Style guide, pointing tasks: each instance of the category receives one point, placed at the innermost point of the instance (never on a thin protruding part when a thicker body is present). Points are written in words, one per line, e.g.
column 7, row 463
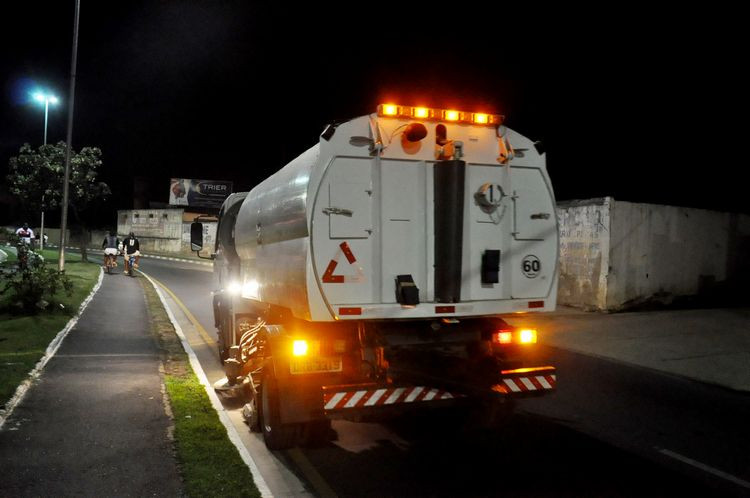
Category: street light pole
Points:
column 46, row 113
column 47, row 99
column 41, row 230
column 71, row 101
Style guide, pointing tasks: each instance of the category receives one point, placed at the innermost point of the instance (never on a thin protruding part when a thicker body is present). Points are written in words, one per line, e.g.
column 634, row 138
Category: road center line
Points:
column 705, row 468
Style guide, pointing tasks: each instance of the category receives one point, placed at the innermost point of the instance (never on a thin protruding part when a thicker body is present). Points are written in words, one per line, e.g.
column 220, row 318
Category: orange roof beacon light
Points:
column 389, row 109
column 452, row 115
column 421, row 112
column 480, row 118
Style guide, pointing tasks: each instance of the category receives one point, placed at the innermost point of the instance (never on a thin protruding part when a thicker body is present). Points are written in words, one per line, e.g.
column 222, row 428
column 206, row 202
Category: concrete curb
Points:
column 234, row 437
column 52, row 348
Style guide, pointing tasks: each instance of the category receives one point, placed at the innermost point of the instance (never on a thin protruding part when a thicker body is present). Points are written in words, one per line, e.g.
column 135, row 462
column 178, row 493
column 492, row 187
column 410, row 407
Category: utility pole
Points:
column 71, row 100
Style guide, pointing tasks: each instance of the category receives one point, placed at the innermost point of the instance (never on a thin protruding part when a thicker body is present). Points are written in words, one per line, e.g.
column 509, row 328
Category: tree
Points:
column 38, row 174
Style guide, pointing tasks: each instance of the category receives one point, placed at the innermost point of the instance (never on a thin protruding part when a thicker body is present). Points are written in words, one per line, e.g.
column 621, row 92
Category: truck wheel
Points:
column 276, row 435
column 225, row 326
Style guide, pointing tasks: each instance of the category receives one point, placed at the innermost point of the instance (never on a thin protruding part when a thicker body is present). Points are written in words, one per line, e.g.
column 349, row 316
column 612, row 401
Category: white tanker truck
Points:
column 372, row 273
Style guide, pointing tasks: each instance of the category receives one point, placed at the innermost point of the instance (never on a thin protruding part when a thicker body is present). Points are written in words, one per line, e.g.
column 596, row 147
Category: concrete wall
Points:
column 584, row 252
column 158, row 230
column 661, row 252
column 616, row 254
column 163, row 230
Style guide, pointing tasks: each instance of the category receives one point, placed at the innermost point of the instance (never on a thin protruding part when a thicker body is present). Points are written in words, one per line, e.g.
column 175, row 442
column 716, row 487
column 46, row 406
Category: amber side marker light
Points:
column 299, row 348
column 527, row 336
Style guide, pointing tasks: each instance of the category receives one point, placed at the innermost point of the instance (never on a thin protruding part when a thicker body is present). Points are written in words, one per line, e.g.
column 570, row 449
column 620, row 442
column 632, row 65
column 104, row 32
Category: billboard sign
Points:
column 198, row 193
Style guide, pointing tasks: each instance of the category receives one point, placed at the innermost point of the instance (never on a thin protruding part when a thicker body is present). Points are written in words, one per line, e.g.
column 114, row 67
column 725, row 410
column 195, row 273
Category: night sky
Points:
column 631, row 103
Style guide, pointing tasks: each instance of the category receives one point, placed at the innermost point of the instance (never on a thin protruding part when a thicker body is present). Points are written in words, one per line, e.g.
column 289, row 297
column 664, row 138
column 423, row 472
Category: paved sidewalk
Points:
column 95, row 424
column 708, row 345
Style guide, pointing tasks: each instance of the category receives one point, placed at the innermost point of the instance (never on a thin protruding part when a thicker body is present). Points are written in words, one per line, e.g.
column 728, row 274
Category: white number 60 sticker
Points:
column 531, row 266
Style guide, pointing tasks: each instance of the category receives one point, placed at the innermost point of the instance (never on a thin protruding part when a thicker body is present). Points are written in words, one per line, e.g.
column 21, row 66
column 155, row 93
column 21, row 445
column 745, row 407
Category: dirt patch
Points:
column 174, row 359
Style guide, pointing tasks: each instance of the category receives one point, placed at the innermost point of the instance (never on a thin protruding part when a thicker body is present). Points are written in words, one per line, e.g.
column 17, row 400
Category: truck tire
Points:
column 276, row 435
column 224, row 328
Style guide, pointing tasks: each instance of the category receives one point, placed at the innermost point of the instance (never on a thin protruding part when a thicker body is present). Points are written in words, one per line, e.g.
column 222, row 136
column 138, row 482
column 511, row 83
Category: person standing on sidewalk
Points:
column 26, row 234
column 131, row 246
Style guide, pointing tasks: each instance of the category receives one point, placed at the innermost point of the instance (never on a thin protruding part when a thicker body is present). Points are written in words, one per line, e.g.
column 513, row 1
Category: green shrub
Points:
column 30, row 284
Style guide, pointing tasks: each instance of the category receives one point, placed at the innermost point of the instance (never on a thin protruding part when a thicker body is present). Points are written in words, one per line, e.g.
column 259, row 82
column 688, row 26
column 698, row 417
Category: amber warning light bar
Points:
column 450, row 115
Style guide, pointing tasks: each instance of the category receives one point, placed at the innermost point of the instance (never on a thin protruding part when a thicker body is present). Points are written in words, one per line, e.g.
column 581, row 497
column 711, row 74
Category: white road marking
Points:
column 705, row 468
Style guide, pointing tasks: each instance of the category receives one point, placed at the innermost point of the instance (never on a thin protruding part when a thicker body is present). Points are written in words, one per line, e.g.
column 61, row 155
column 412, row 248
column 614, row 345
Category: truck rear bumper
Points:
column 521, row 382
column 527, row 381
column 338, row 398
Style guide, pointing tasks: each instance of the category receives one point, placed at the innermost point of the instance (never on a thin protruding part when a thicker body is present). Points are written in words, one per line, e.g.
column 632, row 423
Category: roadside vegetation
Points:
column 25, row 334
column 209, row 463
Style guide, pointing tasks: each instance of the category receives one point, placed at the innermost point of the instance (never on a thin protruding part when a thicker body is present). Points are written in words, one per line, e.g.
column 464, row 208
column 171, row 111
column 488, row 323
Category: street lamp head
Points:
column 43, row 98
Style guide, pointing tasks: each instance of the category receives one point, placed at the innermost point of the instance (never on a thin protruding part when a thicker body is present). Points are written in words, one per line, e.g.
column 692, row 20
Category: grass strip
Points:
column 24, row 339
column 209, row 463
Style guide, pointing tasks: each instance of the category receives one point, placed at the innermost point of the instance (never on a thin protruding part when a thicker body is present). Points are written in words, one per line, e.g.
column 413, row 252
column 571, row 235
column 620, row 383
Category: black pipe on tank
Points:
column 449, row 228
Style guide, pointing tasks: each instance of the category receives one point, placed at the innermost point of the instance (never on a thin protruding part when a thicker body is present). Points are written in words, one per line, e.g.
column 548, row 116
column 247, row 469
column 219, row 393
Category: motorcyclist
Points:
column 131, row 246
column 110, row 244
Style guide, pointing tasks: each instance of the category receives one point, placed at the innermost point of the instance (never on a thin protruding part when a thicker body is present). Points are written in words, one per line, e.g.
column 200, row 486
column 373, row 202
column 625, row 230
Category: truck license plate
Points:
column 314, row 365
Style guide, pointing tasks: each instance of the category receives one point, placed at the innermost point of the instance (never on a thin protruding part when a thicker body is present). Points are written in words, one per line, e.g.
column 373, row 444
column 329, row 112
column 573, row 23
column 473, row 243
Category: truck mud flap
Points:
column 343, row 398
column 523, row 382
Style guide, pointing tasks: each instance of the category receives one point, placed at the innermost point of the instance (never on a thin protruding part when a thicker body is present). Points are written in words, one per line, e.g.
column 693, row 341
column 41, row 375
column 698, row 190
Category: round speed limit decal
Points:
column 531, row 266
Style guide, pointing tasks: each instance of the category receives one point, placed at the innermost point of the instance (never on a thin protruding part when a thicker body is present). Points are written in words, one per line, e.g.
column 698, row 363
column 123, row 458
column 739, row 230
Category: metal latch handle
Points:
column 337, row 210
column 540, row 216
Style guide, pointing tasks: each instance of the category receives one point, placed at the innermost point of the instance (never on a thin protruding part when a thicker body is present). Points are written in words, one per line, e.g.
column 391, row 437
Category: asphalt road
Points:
column 610, row 430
